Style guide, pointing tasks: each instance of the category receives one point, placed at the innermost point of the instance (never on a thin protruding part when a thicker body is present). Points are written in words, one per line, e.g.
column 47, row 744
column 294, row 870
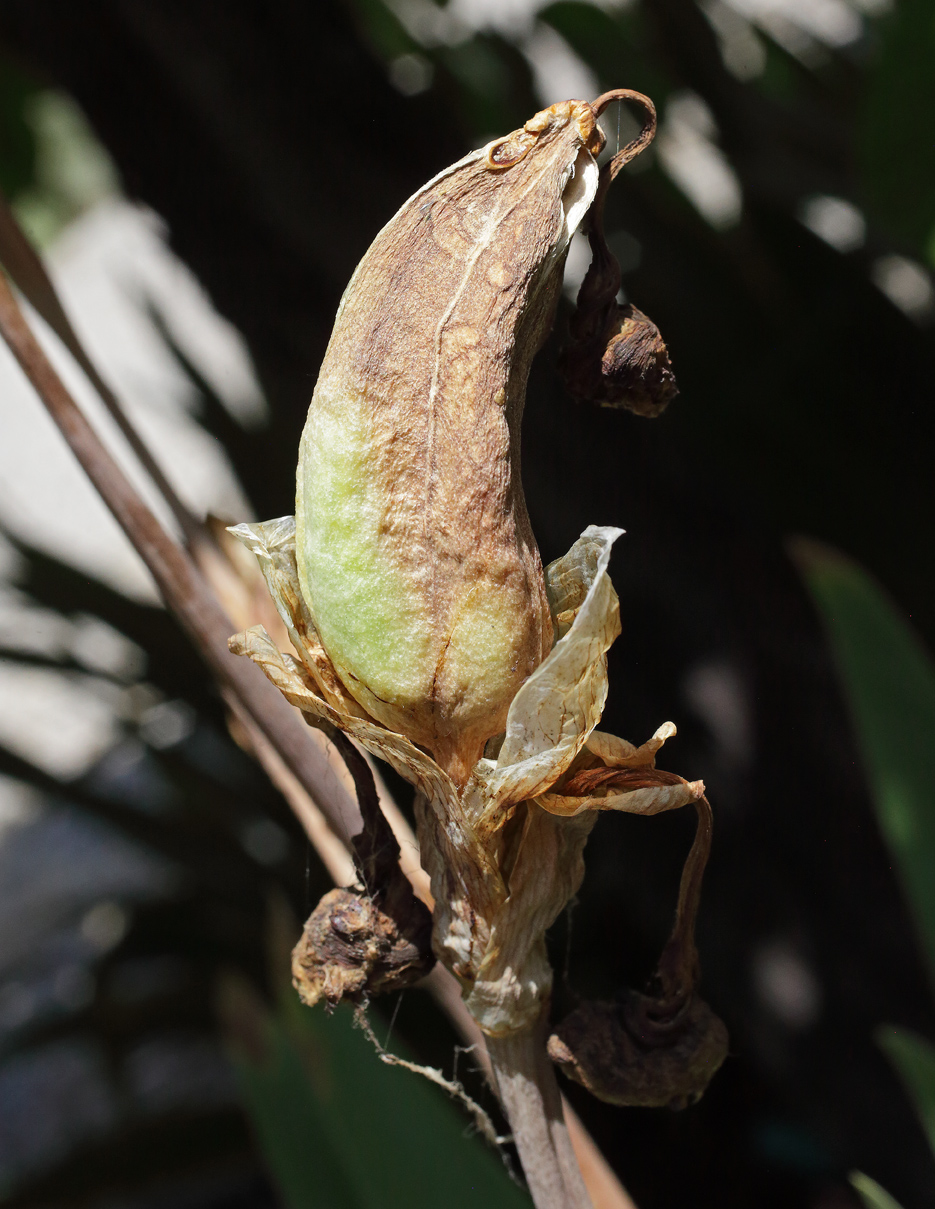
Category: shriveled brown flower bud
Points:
column 633, row 369
column 350, row 947
column 616, row 356
column 661, row 1048
column 624, row 1055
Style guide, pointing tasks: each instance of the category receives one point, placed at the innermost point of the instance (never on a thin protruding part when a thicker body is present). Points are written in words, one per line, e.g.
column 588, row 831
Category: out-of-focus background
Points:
column 202, row 179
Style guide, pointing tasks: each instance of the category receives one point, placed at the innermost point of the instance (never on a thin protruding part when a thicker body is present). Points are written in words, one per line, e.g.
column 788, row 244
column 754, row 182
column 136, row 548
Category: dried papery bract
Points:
column 423, row 624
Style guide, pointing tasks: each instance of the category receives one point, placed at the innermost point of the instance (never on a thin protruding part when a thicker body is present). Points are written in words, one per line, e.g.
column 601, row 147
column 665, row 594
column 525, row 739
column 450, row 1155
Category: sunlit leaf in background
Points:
column 872, row 1195
column 898, row 126
column 889, row 683
column 914, row 1058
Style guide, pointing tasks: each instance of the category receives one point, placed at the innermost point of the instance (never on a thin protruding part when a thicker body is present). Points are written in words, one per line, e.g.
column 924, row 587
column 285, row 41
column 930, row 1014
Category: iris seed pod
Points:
column 414, row 548
column 422, row 622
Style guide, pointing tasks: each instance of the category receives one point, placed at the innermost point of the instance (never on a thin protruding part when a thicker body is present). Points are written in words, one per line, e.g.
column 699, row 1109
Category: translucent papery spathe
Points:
column 496, row 894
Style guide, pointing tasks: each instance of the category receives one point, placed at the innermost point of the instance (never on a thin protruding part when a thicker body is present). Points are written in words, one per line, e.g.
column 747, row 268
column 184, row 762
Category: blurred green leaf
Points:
column 914, row 1059
column 493, row 83
column 873, row 1196
column 339, row 1128
column 291, row 1120
column 898, row 126
column 889, row 683
column 17, row 138
column 382, row 29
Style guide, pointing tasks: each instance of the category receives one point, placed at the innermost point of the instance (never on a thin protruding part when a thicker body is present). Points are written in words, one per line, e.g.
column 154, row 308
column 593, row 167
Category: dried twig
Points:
column 526, row 1082
column 452, row 1087
column 20, row 260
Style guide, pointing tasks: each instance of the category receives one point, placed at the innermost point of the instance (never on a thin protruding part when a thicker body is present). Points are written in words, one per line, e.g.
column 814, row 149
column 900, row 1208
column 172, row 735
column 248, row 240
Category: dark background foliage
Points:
column 271, row 139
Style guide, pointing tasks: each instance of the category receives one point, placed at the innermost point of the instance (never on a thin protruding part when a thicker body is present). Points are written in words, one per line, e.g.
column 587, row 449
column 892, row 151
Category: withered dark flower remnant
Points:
column 367, row 939
column 423, row 624
column 625, row 365
column 659, row 1048
column 616, row 356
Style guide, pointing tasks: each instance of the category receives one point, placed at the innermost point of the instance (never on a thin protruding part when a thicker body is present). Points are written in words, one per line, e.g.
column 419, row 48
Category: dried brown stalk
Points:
column 180, row 582
column 20, row 260
column 530, row 1096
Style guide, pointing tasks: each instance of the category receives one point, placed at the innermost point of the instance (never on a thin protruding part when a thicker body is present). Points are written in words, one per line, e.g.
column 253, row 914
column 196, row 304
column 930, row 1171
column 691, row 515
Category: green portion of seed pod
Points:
column 366, row 609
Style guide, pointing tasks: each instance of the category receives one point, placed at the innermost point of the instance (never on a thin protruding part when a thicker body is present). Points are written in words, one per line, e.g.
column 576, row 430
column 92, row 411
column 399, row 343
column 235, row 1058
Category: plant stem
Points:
column 600, row 1179
column 529, row 1092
